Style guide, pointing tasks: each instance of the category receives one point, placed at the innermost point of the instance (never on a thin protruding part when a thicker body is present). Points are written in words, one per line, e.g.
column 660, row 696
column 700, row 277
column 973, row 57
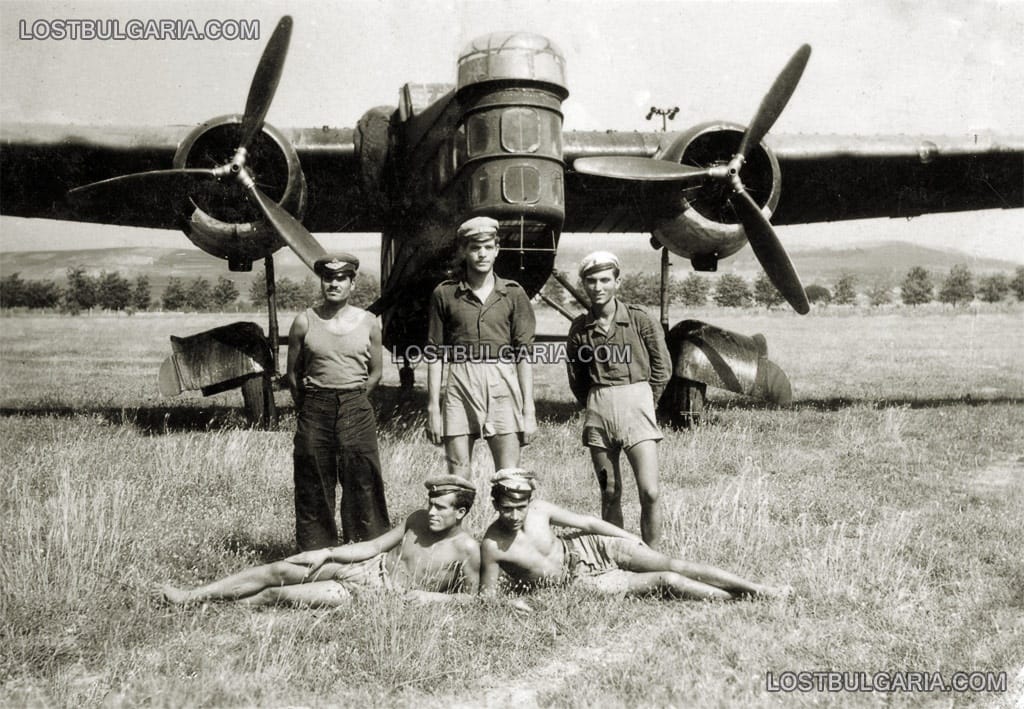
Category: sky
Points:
column 876, row 68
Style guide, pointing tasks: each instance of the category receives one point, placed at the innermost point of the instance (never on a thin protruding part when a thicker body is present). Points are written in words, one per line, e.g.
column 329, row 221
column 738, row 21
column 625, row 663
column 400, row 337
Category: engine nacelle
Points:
column 373, row 146
column 217, row 217
column 697, row 222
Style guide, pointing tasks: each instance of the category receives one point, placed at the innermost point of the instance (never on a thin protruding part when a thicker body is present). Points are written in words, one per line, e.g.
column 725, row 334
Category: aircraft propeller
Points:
column 183, row 180
column 760, row 235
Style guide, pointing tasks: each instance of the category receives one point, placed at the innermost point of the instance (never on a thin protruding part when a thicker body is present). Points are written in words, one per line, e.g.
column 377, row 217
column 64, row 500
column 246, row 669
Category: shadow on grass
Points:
column 155, row 420
column 840, row 403
column 399, row 411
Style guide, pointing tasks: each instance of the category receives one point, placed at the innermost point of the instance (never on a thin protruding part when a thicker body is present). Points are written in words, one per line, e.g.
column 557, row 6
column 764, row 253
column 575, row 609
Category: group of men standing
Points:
column 476, row 318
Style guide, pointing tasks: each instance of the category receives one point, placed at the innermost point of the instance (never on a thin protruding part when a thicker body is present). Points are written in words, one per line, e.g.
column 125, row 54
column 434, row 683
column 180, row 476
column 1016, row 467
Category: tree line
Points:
column 112, row 291
column 918, row 287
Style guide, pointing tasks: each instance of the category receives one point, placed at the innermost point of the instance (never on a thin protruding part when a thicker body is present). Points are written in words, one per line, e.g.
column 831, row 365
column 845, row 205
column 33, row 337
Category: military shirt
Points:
column 633, row 351
column 458, row 318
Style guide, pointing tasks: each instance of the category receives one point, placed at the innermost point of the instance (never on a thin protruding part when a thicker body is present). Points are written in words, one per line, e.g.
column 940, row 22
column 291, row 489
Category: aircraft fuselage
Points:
column 492, row 146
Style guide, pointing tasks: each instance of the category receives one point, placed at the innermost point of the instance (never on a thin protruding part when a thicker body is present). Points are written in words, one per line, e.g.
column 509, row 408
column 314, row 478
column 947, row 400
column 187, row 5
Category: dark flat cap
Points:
column 443, row 484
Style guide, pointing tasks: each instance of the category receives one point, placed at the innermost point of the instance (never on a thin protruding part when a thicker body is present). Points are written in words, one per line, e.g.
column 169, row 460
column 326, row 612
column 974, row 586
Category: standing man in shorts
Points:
column 480, row 327
column 618, row 368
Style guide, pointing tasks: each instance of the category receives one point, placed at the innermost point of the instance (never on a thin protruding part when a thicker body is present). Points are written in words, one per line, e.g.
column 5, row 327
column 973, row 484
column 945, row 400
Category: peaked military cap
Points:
column 336, row 265
column 598, row 261
column 514, row 483
column 443, row 484
column 477, row 229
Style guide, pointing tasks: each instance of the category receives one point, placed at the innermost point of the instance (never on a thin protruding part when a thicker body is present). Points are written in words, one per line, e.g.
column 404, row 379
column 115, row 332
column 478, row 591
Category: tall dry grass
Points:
column 891, row 501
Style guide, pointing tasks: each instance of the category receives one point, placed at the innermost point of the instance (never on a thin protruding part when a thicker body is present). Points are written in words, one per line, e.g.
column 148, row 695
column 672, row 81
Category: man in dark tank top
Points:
column 334, row 362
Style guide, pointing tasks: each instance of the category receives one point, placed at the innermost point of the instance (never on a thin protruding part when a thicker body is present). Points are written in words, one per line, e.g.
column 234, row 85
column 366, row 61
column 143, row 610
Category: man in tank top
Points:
column 334, row 362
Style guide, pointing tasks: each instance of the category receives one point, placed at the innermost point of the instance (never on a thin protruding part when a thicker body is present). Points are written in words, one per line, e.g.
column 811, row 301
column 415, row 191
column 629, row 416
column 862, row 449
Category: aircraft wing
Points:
column 824, row 178
column 40, row 163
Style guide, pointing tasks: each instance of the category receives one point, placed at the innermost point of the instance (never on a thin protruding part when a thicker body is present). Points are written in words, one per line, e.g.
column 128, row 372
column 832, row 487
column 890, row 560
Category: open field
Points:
column 891, row 496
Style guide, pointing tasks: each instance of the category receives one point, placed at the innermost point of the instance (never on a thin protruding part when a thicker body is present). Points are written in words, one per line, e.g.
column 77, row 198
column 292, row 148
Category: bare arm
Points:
column 587, row 523
column 435, row 339
column 524, row 370
column 350, row 553
column 376, row 357
column 490, row 572
column 435, row 424
column 296, row 335
column 471, row 568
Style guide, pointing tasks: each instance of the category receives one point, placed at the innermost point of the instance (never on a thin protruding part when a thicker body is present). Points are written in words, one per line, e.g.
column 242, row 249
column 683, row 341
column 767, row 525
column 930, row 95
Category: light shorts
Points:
column 592, row 560
column 482, row 399
column 620, row 416
column 371, row 574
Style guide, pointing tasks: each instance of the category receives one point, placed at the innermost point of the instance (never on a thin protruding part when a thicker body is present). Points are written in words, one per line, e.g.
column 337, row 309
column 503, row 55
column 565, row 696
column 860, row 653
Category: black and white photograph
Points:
column 539, row 353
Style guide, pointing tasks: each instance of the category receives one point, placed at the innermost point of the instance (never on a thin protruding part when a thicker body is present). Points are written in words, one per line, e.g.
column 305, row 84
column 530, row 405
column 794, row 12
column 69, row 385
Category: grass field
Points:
column 890, row 495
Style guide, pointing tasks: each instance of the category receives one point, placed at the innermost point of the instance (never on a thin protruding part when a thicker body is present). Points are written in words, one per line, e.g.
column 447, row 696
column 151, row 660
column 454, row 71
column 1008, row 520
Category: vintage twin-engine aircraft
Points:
column 491, row 145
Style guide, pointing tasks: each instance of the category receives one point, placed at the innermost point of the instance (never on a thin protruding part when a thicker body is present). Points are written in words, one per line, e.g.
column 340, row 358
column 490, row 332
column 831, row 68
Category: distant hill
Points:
column 161, row 264
column 868, row 263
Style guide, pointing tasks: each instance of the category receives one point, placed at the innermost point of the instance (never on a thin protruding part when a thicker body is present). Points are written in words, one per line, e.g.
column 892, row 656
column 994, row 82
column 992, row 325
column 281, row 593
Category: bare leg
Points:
column 320, row 594
column 643, row 457
column 458, row 450
column 642, row 559
column 505, row 450
column 609, row 478
column 249, row 582
column 642, row 584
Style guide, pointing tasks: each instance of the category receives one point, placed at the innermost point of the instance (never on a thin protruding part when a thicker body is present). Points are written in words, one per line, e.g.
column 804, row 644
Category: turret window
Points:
column 520, row 130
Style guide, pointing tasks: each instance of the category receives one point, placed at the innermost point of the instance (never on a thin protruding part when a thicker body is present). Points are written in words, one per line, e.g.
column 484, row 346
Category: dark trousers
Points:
column 336, row 442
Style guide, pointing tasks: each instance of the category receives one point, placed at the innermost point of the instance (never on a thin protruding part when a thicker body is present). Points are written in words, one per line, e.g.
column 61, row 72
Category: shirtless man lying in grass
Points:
column 602, row 557
column 429, row 557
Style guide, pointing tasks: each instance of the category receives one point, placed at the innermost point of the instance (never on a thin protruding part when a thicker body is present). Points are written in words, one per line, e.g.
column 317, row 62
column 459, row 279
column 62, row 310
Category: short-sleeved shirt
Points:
column 458, row 318
column 632, row 350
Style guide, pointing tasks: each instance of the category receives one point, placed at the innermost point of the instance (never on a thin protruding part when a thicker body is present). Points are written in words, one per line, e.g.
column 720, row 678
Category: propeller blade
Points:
column 264, row 81
column 307, row 248
column 775, row 100
column 175, row 184
column 769, row 252
column 643, row 169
